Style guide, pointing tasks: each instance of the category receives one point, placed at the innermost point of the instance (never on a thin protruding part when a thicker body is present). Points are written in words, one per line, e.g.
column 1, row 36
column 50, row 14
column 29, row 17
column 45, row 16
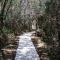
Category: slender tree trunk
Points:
column 2, row 15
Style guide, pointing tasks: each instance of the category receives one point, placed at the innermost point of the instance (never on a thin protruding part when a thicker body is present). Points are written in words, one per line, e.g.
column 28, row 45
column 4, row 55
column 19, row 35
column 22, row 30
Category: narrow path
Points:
column 26, row 49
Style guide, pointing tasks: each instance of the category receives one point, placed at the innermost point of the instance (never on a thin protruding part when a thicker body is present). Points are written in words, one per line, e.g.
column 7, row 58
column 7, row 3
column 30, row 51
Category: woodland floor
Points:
column 40, row 46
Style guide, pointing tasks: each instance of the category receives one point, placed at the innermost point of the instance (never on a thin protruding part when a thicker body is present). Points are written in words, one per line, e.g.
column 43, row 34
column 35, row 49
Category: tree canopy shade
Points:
column 3, row 6
column 17, row 16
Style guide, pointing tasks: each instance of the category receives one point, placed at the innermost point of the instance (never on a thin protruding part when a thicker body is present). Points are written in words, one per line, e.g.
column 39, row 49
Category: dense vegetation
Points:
column 47, row 15
column 50, row 23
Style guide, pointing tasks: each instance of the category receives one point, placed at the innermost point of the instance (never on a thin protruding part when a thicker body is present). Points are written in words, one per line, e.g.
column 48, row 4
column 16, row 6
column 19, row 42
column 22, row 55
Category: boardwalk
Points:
column 26, row 49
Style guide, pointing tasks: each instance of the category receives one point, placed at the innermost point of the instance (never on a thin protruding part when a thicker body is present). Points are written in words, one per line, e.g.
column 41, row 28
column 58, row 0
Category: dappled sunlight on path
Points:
column 26, row 49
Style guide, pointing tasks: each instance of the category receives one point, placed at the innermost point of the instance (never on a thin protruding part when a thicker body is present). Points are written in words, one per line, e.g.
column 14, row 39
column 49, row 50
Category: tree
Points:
column 52, row 27
column 3, row 36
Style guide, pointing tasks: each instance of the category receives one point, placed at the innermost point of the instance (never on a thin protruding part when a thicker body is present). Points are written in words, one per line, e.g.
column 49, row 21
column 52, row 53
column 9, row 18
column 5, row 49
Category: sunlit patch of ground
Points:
column 41, row 47
column 26, row 49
